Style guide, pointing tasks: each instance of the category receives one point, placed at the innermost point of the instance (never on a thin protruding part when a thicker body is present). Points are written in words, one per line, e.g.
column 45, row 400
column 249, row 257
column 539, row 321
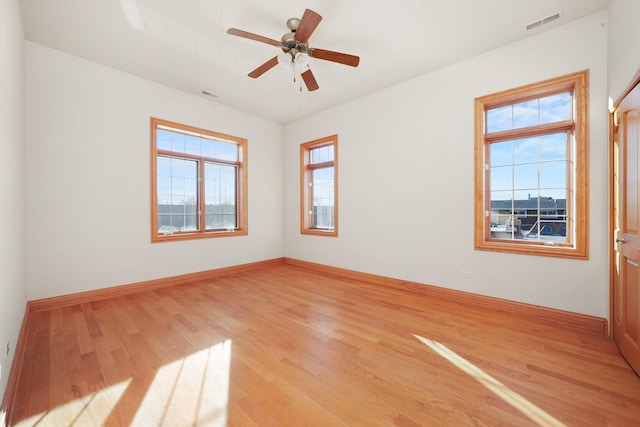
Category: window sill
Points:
column 320, row 232
column 195, row 236
column 540, row 249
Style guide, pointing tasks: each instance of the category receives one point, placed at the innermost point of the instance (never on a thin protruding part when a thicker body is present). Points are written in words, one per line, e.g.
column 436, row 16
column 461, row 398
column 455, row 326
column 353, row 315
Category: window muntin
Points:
column 319, row 187
column 198, row 183
column 531, row 169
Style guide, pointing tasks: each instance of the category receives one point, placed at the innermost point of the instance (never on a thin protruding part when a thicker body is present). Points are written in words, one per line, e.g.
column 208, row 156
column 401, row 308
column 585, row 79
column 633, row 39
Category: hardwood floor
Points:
column 287, row 346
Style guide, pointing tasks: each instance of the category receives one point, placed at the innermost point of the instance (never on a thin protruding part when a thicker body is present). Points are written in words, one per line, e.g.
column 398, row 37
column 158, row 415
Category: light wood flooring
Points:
column 285, row 346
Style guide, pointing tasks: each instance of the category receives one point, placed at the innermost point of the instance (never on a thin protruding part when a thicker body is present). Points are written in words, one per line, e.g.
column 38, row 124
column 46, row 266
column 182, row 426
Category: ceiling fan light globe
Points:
column 284, row 60
column 292, row 24
column 302, row 59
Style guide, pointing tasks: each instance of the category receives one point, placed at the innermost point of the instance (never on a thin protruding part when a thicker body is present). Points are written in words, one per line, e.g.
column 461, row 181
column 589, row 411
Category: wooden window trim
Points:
column 305, row 176
column 579, row 245
column 241, row 191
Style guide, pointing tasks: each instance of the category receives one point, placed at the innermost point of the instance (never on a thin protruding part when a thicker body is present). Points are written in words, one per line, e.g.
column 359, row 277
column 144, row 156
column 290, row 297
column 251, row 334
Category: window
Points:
column 198, row 183
column 319, row 187
column 531, row 169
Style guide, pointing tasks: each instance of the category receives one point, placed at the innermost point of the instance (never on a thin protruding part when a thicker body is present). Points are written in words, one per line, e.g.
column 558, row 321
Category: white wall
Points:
column 623, row 45
column 406, row 177
column 13, row 286
column 88, row 185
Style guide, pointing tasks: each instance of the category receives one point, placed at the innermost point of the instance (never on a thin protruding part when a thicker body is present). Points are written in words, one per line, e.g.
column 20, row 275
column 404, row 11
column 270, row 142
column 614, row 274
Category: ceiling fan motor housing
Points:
column 290, row 43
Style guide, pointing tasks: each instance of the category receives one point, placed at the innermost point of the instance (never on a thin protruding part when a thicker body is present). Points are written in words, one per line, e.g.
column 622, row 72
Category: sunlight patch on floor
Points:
column 190, row 391
column 533, row 412
column 90, row 410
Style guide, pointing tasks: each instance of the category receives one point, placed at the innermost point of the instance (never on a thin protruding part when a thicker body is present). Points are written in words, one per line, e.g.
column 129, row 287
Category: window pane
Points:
column 220, row 196
column 501, row 214
column 164, row 166
column 177, row 204
column 178, row 167
column 208, row 148
column 191, row 206
column 525, row 177
column 501, row 153
column 525, row 150
column 190, row 222
column 191, row 188
column 164, row 185
column 553, row 175
column 220, row 220
column 525, row 114
column 164, row 204
column 191, row 169
column 322, row 154
column 177, row 142
column 164, row 224
column 208, row 170
column 528, row 197
column 499, row 119
column 226, row 151
column 555, row 108
column 177, row 222
column 548, row 109
column 550, row 216
column 502, row 202
column 192, row 145
column 528, row 216
column 178, row 186
column 177, row 195
column 553, row 147
column 502, row 178
column 524, row 195
column 163, row 139
column 198, row 145
column 559, row 194
column 323, row 198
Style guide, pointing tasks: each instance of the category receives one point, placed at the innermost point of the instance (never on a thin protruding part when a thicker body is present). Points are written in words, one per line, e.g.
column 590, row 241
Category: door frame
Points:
column 612, row 220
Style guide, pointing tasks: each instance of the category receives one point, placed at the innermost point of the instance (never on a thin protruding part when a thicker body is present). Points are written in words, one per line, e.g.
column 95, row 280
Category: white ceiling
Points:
column 183, row 43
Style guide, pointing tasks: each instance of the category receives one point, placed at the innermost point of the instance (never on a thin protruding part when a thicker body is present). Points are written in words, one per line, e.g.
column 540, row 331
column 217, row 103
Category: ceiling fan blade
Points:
column 307, row 26
column 310, row 81
column 251, row 36
column 264, row 68
column 340, row 58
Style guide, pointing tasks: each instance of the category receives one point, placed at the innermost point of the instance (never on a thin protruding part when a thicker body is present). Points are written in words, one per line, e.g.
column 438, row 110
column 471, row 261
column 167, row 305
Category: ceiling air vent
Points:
column 543, row 21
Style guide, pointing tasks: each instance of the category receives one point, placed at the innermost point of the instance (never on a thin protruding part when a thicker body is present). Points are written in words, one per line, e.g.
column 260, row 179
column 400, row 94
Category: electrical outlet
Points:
column 465, row 273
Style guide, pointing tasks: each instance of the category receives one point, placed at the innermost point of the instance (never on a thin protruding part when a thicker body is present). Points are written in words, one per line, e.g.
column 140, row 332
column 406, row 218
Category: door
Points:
column 626, row 285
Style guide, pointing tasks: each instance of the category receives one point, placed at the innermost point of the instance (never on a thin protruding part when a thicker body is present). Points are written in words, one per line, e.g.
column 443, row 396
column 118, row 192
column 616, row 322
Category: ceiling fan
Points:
column 296, row 49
